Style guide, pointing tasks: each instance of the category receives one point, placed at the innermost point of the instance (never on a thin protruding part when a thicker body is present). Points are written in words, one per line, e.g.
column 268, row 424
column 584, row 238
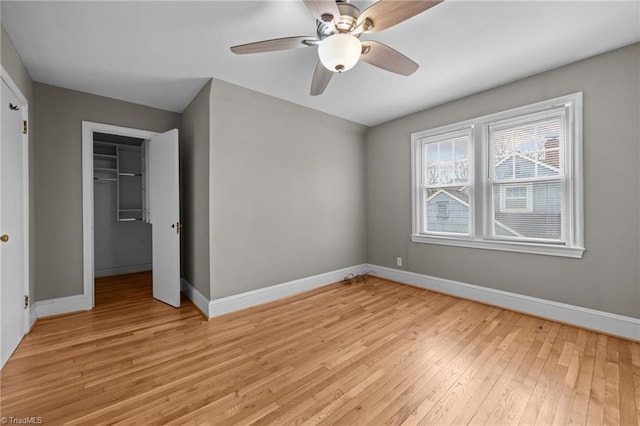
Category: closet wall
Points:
column 122, row 239
column 59, row 114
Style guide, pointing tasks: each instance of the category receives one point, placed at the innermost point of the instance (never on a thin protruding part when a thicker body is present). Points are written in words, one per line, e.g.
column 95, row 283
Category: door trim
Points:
column 88, row 128
column 24, row 106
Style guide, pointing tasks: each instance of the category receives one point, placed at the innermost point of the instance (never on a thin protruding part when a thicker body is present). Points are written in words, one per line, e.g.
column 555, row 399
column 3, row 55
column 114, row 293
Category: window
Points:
column 508, row 181
column 516, row 198
column 444, row 183
column 443, row 210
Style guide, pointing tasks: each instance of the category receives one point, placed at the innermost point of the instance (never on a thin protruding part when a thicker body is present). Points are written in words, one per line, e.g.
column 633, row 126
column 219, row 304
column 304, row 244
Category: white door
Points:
column 12, row 222
column 165, row 216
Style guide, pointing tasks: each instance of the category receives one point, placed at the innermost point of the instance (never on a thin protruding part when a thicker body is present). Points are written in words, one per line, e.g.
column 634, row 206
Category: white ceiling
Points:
column 161, row 53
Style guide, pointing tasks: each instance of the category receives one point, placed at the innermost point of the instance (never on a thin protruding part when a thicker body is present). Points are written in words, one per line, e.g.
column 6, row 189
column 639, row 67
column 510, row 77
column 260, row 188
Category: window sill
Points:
column 543, row 249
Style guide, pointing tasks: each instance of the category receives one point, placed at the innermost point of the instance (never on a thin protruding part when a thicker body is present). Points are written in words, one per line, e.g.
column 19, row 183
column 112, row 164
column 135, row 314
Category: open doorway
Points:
column 121, row 228
column 122, row 231
column 131, row 220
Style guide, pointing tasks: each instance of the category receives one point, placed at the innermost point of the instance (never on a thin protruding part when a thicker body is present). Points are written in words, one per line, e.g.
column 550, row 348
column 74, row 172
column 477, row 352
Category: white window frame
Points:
column 528, row 197
column 419, row 140
column 480, row 187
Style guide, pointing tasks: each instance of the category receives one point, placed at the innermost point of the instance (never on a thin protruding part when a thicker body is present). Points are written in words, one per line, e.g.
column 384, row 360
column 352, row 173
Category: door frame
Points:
column 88, row 128
column 24, row 107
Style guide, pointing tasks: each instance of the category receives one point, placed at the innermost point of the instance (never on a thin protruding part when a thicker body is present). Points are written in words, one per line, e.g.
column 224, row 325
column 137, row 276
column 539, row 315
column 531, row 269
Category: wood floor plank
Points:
column 628, row 407
column 595, row 409
column 369, row 353
column 582, row 387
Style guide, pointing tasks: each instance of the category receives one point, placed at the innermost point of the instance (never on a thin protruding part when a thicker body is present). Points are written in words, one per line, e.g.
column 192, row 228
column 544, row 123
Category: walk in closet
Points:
column 122, row 233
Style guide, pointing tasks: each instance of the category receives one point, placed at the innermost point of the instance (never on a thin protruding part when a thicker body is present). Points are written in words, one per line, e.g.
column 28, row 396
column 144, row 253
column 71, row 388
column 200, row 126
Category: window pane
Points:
column 447, row 210
column 446, row 162
column 432, row 152
column 460, row 150
column 443, row 209
column 505, row 169
column 533, row 211
column 525, row 168
column 528, row 150
column 446, row 151
column 516, row 191
column 461, row 172
column 445, row 203
column 516, row 203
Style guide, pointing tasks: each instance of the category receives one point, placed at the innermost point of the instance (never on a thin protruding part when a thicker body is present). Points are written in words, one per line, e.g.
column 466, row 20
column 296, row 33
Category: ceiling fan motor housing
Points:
column 345, row 23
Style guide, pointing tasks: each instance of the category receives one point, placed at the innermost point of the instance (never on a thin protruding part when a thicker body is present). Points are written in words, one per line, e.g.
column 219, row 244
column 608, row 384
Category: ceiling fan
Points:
column 339, row 27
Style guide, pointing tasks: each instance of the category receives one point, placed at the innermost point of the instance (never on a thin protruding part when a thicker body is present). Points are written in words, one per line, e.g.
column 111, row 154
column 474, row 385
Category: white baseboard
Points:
column 618, row 325
column 119, row 270
column 614, row 324
column 198, row 299
column 248, row 299
column 60, row 305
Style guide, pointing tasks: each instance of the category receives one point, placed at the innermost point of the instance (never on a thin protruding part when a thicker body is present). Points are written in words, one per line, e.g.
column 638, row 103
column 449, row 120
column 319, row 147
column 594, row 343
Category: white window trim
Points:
column 479, row 169
column 528, row 197
column 437, row 135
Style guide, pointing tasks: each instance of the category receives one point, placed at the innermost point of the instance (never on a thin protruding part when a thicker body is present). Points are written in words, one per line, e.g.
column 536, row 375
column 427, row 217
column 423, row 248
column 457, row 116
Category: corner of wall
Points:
column 195, row 151
column 212, row 86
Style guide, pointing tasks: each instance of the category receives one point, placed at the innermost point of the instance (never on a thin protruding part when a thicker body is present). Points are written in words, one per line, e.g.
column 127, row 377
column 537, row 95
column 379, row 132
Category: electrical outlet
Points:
column 398, row 261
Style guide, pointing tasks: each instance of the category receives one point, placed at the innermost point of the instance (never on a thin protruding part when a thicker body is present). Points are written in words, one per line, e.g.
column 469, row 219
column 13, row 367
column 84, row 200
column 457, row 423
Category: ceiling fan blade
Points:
column 383, row 56
column 387, row 13
column 273, row 45
column 324, row 10
column 321, row 78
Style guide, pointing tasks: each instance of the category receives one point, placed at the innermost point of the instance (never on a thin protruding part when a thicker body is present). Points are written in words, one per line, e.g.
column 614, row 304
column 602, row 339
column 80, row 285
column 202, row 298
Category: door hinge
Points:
column 26, row 301
column 177, row 226
column 24, row 127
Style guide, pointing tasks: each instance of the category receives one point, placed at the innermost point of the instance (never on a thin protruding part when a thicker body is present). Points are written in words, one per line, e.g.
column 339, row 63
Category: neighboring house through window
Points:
column 516, row 198
column 444, row 183
column 507, row 181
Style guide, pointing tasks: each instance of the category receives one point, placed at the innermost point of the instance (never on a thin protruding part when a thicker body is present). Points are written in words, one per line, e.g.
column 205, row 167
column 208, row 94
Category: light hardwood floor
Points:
column 367, row 353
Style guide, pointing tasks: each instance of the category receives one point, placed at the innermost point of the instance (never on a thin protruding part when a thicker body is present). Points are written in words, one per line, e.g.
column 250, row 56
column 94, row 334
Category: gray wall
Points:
column 607, row 278
column 194, row 178
column 13, row 65
column 287, row 191
column 58, row 177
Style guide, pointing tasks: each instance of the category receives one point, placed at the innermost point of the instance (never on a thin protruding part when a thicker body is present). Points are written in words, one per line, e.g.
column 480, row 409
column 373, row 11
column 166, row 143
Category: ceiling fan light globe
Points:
column 339, row 52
